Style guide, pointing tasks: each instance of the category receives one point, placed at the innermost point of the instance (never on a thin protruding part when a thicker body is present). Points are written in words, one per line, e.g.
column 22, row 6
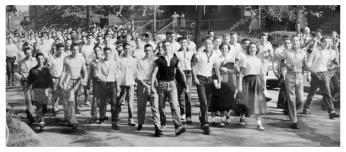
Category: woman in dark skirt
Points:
column 223, row 98
column 251, row 84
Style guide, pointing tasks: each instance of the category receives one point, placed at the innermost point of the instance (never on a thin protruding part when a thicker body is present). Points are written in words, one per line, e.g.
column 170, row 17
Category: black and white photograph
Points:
column 172, row 75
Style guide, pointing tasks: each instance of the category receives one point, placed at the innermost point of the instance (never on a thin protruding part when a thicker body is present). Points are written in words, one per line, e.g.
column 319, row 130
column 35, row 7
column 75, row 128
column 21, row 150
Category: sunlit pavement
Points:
column 315, row 130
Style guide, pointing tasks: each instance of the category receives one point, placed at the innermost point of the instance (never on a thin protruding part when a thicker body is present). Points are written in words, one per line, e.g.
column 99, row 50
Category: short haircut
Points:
column 74, row 45
column 293, row 36
column 39, row 54
column 233, row 33
column 106, row 48
column 222, row 44
column 148, row 45
column 210, row 31
column 169, row 33
column 59, row 45
column 126, row 44
column 204, row 39
column 146, row 35
column 97, row 46
column 285, row 37
column 26, row 48
column 244, row 40
column 263, row 34
column 165, row 41
column 182, row 38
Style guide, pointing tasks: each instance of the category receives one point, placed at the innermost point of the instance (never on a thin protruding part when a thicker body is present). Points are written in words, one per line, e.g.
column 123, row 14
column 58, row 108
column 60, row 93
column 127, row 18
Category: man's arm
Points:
column 217, row 73
column 194, row 62
column 84, row 74
column 63, row 74
column 180, row 69
column 153, row 78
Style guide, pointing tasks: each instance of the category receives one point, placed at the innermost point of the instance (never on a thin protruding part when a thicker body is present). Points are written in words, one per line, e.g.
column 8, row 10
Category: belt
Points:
column 187, row 71
column 56, row 77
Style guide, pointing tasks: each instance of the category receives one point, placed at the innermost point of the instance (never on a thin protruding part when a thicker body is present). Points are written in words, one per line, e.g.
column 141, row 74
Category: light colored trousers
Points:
column 57, row 96
column 69, row 100
column 168, row 90
column 295, row 91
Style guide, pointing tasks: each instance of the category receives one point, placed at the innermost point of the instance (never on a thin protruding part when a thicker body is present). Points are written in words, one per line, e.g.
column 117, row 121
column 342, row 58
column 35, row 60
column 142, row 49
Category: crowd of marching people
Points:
column 109, row 64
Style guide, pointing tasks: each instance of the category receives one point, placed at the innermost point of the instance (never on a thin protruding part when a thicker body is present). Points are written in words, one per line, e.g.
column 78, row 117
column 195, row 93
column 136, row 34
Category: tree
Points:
column 78, row 15
column 10, row 9
column 293, row 13
column 198, row 24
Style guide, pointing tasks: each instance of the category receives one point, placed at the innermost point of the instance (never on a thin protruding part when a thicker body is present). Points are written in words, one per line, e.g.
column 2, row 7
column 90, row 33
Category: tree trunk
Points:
column 198, row 25
column 87, row 17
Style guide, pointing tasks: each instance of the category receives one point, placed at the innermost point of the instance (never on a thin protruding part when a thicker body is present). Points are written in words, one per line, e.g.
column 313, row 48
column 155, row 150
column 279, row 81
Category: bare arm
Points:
column 180, row 69
column 193, row 69
column 153, row 78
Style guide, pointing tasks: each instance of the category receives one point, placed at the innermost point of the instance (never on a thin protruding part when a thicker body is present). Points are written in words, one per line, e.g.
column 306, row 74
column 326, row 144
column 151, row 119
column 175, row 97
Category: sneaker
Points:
column 78, row 111
column 294, row 126
column 101, row 120
column 74, row 126
column 188, row 121
column 163, row 127
column 242, row 122
column 306, row 112
column 183, row 117
column 222, row 124
column 158, row 133
column 140, row 127
column 115, row 126
column 206, row 129
column 131, row 122
column 180, row 130
column 55, row 113
column 228, row 122
column 285, row 112
column 334, row 115
column 260, row 127
column 87, row 103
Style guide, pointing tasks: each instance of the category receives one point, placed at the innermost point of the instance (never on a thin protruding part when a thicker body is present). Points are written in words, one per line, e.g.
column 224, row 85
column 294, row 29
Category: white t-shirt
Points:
column 204, row 64
column 252, row 65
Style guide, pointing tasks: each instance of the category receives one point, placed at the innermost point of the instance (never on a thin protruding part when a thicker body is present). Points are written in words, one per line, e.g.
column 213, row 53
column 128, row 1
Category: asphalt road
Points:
column 315, row 130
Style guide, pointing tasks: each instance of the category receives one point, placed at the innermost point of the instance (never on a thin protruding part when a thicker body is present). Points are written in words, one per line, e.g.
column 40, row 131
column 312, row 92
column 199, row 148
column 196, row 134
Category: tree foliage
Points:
column 11, row 9
column 76, row 15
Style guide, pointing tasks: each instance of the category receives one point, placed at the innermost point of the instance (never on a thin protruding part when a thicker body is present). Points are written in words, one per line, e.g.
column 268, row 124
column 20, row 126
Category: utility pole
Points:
column 198, row 25
column 155, row 7
column 36, row 18
column 87, row 17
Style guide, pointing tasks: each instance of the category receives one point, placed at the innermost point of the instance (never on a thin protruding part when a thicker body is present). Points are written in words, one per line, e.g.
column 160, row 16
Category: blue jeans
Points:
column 143, row 95
column 185, row 98
column 108, row 92
column 127, row 94
column 204, row 90
column 168, row 90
